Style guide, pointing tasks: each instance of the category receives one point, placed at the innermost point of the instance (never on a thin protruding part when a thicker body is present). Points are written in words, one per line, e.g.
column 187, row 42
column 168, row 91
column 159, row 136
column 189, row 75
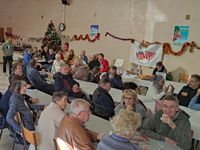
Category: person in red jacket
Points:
column 104, row 63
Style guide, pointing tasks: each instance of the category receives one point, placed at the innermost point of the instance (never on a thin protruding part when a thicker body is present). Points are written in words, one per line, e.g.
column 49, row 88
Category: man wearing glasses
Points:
column 171, row 124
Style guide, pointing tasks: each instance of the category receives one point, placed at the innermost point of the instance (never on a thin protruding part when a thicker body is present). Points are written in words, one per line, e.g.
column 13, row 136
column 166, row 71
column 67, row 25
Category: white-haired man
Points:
column 72, row 134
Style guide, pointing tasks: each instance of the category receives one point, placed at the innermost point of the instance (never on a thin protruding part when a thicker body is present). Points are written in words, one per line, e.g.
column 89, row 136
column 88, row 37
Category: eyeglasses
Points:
column 129, row 98
column 172, row 107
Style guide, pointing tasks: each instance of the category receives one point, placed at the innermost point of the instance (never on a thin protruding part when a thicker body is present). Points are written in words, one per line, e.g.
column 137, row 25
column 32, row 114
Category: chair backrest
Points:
column 31, row 137
column 56, row 144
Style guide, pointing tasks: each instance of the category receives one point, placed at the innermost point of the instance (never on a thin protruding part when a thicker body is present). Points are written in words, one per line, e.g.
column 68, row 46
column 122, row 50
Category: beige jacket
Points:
column 74, row 135
column 47, row 126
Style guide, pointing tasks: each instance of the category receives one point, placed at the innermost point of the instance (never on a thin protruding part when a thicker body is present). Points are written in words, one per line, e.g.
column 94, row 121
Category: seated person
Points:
column 26, row 56
column 71, row 57
column 50, row 119
column 115, row 79
column 64, row 81
column 4, row 103
column 130, row 99
column 189, row 91
column 36, row 80
column 83, row 57
column 133, row 86
column 124, row 124
column 159, row 68
column 102, row 97
column 94, row 75
column 56, row 64
column 50, row 57
column 171, row 125
column 79, row 70
column 195, row 101
column 72, row 133
column 104, row 64
column 93, row 62
column 157, row 90
column 17, row 103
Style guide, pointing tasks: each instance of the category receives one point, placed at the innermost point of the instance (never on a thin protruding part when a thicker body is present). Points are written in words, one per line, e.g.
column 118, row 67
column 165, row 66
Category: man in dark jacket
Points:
column 171, row 125
column 189, row 91
column 36, row 80
column 115, row 79
column 64, row 81
column 103, row 99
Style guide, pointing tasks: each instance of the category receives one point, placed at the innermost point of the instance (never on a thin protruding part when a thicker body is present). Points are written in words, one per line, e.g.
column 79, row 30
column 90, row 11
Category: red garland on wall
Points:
column 87, row 37
column 166, row 46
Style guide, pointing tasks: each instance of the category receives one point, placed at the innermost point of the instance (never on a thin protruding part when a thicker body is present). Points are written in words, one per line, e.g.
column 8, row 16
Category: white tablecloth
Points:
column 89, row 88
column 130, row 78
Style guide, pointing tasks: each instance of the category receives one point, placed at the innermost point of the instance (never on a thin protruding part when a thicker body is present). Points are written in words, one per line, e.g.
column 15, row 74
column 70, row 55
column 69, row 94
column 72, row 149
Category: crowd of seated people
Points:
column 169, row 124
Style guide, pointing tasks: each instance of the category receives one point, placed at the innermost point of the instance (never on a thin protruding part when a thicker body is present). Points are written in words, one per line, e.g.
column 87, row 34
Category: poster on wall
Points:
column 180, row 35
column 94, row 29
column 146, row 56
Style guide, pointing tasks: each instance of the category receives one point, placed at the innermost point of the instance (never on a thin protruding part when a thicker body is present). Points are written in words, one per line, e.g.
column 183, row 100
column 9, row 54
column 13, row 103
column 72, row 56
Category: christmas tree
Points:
column 51, row 37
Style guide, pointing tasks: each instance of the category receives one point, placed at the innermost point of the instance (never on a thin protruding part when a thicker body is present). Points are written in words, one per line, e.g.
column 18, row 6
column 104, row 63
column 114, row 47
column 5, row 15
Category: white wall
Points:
column 151, row 20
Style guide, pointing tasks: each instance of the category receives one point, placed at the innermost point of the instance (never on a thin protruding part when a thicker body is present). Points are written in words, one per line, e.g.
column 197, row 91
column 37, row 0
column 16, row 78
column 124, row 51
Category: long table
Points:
column 131, row 78
column 100, row 125
column 89, row 88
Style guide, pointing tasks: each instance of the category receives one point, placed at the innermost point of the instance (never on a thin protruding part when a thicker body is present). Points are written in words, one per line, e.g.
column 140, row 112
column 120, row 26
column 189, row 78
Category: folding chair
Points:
column 31, row 137
column 3, row 124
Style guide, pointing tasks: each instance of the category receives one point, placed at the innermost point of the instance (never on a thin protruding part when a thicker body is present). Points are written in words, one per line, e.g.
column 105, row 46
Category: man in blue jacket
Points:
column 103, row 99
column 115, row 79
column 36, row 80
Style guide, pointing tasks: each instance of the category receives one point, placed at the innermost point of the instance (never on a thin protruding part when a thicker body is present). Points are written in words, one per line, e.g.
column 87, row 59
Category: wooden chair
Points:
column 183, row 77
column 31, row 137
column 56, row 144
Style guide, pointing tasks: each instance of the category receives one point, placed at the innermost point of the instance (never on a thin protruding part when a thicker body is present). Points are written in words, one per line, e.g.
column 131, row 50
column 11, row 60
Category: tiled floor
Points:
column 6, row 141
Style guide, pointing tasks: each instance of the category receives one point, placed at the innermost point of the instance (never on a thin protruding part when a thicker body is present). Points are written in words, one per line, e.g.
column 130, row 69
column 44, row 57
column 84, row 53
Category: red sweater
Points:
column 104, row 66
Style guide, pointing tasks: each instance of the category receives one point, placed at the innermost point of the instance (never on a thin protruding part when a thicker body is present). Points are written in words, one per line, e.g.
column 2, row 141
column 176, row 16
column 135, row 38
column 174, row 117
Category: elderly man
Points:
column 50, row 120
column 64, row 81
column 83, row 57
column 170, row 125
column 72, row 134
column 115, row 79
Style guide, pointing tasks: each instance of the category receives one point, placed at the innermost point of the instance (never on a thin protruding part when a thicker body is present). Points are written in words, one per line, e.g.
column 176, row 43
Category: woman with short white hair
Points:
column 56, row 64
column 124, row 124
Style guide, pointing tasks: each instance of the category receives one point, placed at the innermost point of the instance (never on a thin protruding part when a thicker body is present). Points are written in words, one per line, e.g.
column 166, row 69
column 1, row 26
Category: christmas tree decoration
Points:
column 51, row 37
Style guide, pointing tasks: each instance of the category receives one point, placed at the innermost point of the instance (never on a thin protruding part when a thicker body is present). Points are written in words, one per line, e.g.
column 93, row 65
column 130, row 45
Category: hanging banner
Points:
column 146, row 56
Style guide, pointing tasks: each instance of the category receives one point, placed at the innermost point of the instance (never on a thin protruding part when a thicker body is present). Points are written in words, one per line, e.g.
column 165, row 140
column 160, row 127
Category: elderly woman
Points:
column 79, row 70
column 157, row 90
column 125, row 124
column 130, row 99
column 56, row 64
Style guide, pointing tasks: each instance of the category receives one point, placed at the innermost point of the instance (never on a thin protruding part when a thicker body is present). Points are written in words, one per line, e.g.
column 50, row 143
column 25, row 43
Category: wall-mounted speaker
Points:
column 66, row 2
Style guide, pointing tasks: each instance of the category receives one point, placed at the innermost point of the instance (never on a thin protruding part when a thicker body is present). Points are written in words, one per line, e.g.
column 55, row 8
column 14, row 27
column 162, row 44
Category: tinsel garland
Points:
column 166, row 46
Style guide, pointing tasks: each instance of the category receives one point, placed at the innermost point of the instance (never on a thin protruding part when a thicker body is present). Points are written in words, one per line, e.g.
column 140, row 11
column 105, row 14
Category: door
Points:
column 1, row 34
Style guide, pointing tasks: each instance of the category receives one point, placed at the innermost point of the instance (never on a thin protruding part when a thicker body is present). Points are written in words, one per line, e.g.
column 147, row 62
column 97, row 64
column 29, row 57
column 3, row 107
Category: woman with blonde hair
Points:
column 130, row 98
column 124, row 124
column 71, row 57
